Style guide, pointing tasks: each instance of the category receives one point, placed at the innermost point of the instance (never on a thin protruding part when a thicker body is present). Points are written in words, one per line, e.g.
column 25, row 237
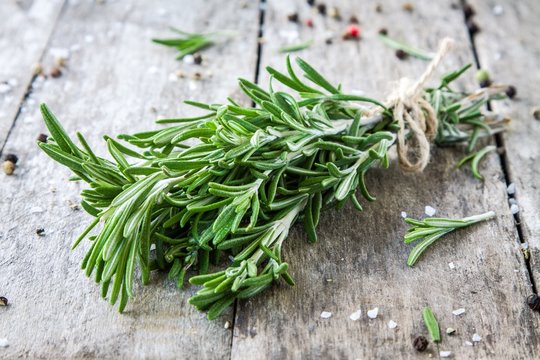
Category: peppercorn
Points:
column 309, row 23
column 11, row 157
column 329, row 41
column 383, row 31
column 485, row 83
column 197, row 76
column 3, row 301
column 534, row 302
column 473, row 27
column 401, row 55
column 536, row 113
column 407, row 7
column 42, row 138
column 293, row 17
column 378, row 8
column 40, row 232
column 197, row 59
column 511, row 91
column 55, row 72
column 420, row 343
column 311, row 2
column 334, row 13
column 37, row 69
column 9, row 167
column 353, row 20
column 352, row 32
column 482, row 75
column 468, row 11
column 321, row 8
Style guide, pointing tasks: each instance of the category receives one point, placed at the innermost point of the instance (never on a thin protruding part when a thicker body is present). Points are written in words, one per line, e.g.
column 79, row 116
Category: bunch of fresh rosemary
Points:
column 254, row 172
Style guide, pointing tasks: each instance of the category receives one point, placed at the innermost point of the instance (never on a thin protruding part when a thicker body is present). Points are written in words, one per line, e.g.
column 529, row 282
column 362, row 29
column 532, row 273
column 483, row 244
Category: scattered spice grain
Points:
column 408, row 7
column 536, row 113
column 401, row 55
column 3, row 301
column 321, row 8
column 420, row 343
column 40, row 232
column 11, row 157
column 197, row 59
column 534, row 302
column 383, row 31
column 9, row 167
column 353, row 20
column 55, row 72
column 293, row 17
column 468, row 11
column 42, row 138
column 511, row 91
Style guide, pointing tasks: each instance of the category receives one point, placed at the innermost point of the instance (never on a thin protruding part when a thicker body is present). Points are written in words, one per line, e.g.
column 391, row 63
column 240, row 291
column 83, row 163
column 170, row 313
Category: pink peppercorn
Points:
column 353, row 31
column 309, row 23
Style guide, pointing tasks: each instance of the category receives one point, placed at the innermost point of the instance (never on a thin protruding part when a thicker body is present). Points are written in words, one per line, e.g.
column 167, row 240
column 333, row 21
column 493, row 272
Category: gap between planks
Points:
column 503, row 159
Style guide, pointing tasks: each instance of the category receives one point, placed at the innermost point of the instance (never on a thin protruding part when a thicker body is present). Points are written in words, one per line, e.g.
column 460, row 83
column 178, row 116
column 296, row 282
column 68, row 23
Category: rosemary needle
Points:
column 431, row 324
column 399, row 45
column 253, row 172
column 296, row 47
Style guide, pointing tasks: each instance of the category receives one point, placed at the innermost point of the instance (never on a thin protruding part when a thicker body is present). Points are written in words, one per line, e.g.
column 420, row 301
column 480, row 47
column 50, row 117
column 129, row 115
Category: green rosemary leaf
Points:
column 431, row 324
column 420, row 54
column 313, row 75
column 296, row 47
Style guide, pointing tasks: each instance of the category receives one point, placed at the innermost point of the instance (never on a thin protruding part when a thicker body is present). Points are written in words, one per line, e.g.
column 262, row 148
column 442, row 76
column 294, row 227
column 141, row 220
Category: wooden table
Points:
column 116, row 80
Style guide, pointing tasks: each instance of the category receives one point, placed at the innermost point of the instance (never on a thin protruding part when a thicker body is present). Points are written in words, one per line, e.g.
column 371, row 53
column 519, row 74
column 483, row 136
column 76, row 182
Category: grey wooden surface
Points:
column 117, row 81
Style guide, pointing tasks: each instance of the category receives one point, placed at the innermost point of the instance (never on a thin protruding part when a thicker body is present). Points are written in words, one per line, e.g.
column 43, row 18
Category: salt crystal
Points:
column 498, row 10
column 430, row 211
column 162, row 12
column 173, row 77
column 60, row 52
column 188, row 59
column 89, row 38
column 75, row 47
column 459, row 311
column 392, row 324
column 192, row 85
column 403, row 214
column 372, row 314
column 36, row 209
column 511, row 189
column 514, row 209
column 512, row 201
column 227, row 324
column 356, row 315
column 497, row 56
column 289, row 35
column 476, row 337
column 4, row 342
column 326, row 315
column 13, row 82
column 445, row 354
column 451, row 265
column 468, row 343
column 450, row 331
column 4, row 88
column 153, row 69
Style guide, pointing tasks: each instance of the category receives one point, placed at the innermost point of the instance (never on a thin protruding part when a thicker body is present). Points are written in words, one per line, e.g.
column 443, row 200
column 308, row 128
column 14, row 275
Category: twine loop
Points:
column 414, row 112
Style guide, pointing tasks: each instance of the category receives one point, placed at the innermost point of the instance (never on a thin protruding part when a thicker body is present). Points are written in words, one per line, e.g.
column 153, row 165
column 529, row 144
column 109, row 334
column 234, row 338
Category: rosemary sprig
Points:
column 188, row 43
column 400, row 45
column 253, row 174
column 475, row 158
column 429, row 230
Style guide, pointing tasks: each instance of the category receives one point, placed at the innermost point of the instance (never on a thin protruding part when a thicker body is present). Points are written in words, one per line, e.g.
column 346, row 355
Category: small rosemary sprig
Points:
column 431, row 324
column 188, row 43
column 296, row 47
column 475, row 158
column 429, row 230
column 254, row 172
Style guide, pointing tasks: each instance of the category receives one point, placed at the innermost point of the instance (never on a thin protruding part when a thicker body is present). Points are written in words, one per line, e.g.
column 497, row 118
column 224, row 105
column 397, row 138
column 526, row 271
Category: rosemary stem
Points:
column 481, row 217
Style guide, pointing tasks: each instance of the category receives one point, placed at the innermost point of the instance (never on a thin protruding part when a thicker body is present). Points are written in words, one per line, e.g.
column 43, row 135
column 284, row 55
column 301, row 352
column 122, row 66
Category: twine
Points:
column 411, row 109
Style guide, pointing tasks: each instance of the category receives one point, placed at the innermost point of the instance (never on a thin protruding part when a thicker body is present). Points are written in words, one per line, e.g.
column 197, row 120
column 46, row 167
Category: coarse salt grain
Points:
column 430, row 211
column 476, row 338
column 4, row 88
column 514, row 209
column 403, row 214
column 372, row 314
column 326, row 314
column 153, row 69
column 392, row 324
column 511, row 189
column 89, row 38
column 4, row 342
column 356, row 315
column 468, row 343
column 227, row 324
column 498, row 10
column 459, row 311
column 451, row 265
column 36, row 209
column 445, row 354
column 188, row 59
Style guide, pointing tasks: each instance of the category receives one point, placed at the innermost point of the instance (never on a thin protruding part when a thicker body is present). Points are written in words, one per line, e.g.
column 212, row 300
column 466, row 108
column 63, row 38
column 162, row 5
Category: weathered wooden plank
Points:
column 359, row 262
column 109, row 86
column 26, row 28
column 508, row 47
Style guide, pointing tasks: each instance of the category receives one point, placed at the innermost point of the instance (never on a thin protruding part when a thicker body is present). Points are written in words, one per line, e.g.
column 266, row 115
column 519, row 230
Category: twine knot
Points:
column 414, row 112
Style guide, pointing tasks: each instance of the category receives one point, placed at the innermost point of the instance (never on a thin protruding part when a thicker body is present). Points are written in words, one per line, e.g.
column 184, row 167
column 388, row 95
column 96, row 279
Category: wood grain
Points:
column 359, row 262
column 515, row 59
column 109, row 86
column 24, row 33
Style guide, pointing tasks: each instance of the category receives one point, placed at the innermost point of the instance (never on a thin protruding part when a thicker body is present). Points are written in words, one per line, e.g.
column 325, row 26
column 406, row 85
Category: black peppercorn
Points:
column 40, row 232
column 197, row 59
column 401, row 55
column 329, row 41
column 420, row 343
column 42, row 138
column 293, row 17
column 485, row 83
column 11, row 157
column 321, row 8
column 534, row 302
column 311, row 2
column 468, row 11
column 511, row 91
column 378, row 8
column 353, row 20
column 3, row 301
column 473, row 27
column 383, row 31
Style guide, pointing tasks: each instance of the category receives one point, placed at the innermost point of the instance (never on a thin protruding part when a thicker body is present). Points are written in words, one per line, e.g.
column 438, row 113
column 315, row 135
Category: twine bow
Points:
column 411, row 109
